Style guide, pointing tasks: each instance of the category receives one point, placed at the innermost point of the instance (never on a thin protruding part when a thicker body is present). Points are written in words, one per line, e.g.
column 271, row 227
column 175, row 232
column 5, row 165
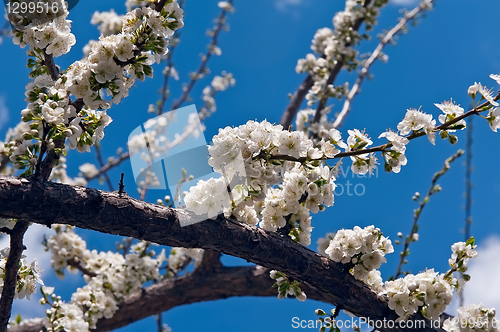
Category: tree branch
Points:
column 220, row 23
column 296, row 101
column 300, row 94
column 336, row 70
column 48, row 61
column 101, row 164
column 75, row 262
column 11, row 268
column 416, row 215
column 374, row 56
column 108, row 166
column 186, row 289
column 209, row 263
column 383, row 147
column 46, row 203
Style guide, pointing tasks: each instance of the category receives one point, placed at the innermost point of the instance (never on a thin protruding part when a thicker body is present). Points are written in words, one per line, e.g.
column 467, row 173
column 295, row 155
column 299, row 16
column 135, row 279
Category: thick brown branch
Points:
column 296, row 101
column 210, row 262
column 48, row 61
column 47, row 203
column 50, row 161
column 11, row 268
column 186, row 289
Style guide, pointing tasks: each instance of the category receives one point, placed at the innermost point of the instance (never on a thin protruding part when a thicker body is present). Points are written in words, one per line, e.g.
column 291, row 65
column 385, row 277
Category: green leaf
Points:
column 470, row 242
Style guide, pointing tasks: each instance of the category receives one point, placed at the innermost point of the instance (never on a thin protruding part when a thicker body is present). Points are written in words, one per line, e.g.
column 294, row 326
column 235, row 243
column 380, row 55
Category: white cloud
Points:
column 404, row 2
column 285, row 5
column 484, row 270
column 4, row 112
column 32, row 240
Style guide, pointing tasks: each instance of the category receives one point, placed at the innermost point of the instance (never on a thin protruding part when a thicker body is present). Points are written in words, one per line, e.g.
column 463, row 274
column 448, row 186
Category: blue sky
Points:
column 453, row 47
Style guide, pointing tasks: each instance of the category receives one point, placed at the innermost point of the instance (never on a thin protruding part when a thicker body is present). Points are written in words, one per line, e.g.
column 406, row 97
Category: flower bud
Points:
column 473, row 89
column 320, row 312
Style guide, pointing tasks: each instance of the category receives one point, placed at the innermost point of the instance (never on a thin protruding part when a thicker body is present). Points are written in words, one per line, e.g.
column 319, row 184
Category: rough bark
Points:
column 47, row 203
column 192, row 288
column 10, row 272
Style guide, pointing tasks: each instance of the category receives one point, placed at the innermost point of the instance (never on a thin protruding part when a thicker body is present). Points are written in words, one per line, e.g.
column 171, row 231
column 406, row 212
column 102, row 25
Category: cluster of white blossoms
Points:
column 219, row 83
column 361, row 164
column 430, row 292
column 363, row 249
column 110, row 276
column 473, row 318
column 208, row 197
column 116, row 61
column 462, row 252
column 287, row 287
column 62, row 316
column 305, row 187
column 395, row 158
column 88, row 170
column 51, row 32
column 415, row 120
column 494, row 113
column 181, row 257
column 49, row 107
column 334, row 46
column 108, row 23
column 28, row 275
column 64, row 246
column 285, row 177
column 104, row 77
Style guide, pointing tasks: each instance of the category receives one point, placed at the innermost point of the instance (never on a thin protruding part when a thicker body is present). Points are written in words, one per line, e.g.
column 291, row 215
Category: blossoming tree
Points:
column 291, row 169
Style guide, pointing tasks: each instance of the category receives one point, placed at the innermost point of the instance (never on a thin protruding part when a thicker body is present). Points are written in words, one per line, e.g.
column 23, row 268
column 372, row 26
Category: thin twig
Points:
column 101, row 164
column 108, row 166
column 374, row 56
column 468, row 189
column 468, row 181
column 383, row 147
column 204, row 113
column 206, row 57
column 164, row 88
column 336, row 70
column 432, row 190
column 158, row 321
column 11, row 268
column 305, row 86
column 121, row 190
column 75, row 262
